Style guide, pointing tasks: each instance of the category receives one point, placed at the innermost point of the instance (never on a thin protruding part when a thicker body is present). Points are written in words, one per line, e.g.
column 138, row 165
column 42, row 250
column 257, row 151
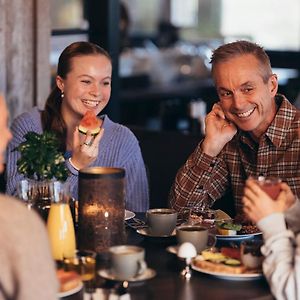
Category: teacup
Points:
column 198, row 235
column 161, row 221
column 127, row 261
column 251, row 255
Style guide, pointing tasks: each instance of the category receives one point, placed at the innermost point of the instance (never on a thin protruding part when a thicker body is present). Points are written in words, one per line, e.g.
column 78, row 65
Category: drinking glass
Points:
column 60, row 224
column 26, row 192
column 84, row 264
column 270, row 185
column 251, row 255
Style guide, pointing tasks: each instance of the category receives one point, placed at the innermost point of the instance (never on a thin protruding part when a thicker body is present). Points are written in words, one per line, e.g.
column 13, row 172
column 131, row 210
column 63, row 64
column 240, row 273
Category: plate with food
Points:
column 208, row 216
column 229, row 230
column 69, row 283
column 224, row 264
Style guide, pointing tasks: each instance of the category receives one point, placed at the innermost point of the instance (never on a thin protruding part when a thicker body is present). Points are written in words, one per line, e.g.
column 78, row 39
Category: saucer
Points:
column 107, row 274
column 145, row 232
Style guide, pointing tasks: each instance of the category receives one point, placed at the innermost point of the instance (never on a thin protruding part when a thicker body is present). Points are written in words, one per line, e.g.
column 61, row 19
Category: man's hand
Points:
column 258, row 204
column 218, row 131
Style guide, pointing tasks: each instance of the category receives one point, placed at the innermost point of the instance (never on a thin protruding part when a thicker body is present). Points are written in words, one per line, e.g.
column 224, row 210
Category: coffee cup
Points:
column 127, row 261
column 161, row 221
column 198, row 235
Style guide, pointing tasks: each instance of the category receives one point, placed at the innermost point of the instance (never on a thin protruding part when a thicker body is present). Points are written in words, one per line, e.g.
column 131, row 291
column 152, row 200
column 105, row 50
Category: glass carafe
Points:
column 60, row 223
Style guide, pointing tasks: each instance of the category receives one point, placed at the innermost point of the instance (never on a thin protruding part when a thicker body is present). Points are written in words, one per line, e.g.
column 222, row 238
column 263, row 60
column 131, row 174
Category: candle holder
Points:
column 101, row 208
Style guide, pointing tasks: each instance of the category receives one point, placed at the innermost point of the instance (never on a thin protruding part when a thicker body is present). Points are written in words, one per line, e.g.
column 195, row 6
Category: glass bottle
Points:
column 60, row 223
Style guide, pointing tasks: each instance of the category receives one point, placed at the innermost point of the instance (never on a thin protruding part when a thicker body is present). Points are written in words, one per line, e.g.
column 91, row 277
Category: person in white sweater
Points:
column 27, row 268
column 280, row 224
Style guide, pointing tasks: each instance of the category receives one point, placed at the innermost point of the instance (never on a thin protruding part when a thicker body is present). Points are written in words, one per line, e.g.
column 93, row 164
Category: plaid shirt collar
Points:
column 278, row 129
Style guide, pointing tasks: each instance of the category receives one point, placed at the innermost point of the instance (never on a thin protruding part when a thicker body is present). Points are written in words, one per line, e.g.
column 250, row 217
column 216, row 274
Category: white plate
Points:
column 145, row 232
column 148, row 274
column 237, row 237
column 239, row 277
column 129, row 214
column 71, row 292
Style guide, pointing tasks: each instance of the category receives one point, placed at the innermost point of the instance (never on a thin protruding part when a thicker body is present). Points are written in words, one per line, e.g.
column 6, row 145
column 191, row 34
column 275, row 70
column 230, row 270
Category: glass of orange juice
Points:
column 60, row 224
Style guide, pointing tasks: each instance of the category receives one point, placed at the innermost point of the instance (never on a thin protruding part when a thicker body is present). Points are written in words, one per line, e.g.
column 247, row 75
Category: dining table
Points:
column 168, row 283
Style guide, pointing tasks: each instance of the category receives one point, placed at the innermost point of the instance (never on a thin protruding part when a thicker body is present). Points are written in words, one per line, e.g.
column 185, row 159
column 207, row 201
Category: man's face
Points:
column 5, row 132
column 246, row 99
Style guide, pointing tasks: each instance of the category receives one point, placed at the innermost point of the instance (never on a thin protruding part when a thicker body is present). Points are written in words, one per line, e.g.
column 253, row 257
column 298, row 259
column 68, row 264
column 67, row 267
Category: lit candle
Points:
column 101, row 208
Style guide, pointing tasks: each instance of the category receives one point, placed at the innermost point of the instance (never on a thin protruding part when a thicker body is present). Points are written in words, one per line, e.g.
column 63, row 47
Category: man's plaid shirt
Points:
column 206, row 178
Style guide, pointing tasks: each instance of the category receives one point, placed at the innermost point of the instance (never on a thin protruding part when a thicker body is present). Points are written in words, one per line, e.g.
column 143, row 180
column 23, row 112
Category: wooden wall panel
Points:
column 2, row 48
column 43, row 34
column 25, row 40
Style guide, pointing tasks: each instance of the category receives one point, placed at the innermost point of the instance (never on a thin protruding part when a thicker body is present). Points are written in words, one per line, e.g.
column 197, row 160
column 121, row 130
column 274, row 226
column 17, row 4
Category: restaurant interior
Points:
column 163, row 89
column 161, row 49
column 161, row 86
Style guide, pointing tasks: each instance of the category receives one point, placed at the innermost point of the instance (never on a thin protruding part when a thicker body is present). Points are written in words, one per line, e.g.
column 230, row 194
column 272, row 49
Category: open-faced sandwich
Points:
column 228, row 228
column 236, row 227
column 68, row 280
column 89, row 122
column 227, row 260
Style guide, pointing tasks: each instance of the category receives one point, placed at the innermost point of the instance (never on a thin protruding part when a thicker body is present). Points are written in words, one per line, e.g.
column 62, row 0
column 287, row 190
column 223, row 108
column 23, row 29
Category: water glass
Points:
column 27, row 192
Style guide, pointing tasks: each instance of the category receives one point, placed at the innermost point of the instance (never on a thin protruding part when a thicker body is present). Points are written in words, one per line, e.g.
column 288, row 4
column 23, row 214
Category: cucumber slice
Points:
column 232, row 262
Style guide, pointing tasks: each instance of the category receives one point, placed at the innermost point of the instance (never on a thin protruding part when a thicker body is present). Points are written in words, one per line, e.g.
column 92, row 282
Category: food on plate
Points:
column 219, row 267
column 249, row 229
column 67, row 280
column 226, row 260
column 89, row 122
column 218, row 262
column 228, row 228
column 234, row 253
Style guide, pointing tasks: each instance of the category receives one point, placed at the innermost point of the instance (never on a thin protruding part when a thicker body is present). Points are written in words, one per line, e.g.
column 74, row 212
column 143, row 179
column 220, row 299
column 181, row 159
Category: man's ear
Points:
column 273, row 84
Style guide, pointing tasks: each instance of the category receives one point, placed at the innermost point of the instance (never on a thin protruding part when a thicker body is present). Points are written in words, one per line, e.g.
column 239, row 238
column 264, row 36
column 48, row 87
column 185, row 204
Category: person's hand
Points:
column 85, row 152
column 218, row 131
column 258, row 204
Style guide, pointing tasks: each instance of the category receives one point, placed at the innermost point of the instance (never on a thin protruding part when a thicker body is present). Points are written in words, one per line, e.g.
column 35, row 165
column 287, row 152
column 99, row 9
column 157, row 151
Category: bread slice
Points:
column 219, row 267
column 224, row 231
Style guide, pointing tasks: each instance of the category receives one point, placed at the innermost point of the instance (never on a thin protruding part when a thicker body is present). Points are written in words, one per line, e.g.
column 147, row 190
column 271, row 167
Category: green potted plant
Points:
column 42, row 163
column 40, row 158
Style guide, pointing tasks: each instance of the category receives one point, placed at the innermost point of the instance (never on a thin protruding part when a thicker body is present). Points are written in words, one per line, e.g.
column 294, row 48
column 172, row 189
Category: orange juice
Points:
column 61, row 231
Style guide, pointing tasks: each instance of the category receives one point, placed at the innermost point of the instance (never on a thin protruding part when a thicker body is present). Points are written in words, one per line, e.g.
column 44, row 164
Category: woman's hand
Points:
column 86, row 150
column 258, row 204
